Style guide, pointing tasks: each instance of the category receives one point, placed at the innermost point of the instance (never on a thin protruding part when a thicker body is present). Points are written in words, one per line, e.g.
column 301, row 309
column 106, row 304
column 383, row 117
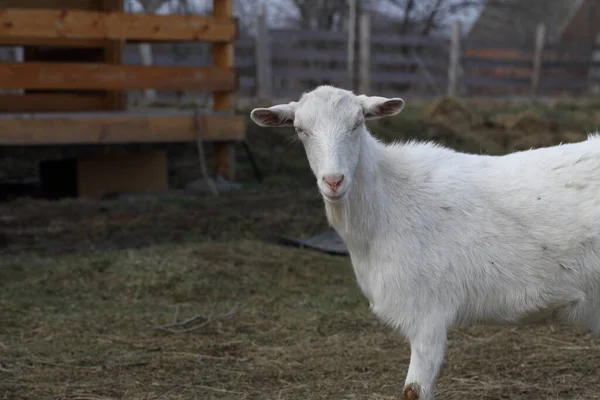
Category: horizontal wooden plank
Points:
column 88, row 76
column 556, row 82
column 310, row 55
column 416, row 77
column 287, row 35
column 58, row 42
column 399, row 59
column 571, row 63
column 583, row 48
column 310, row 73
column 407, row 40
column 474, row 44
column 70, row 4
column 495, row 62
column 147, row 126
column 51, row 102
column 493, row 81
column 73, row 24
column 498, row 54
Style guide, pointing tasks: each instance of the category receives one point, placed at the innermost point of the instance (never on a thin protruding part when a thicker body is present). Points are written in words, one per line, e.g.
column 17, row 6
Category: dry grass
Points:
column 84, row 284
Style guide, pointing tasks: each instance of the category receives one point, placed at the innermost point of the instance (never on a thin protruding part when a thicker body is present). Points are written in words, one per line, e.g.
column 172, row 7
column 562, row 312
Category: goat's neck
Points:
column 360, row 213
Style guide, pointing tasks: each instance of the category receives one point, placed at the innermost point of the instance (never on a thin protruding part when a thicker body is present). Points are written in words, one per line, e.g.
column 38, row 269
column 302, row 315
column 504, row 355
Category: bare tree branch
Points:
column 427, row 16
column 408, row 8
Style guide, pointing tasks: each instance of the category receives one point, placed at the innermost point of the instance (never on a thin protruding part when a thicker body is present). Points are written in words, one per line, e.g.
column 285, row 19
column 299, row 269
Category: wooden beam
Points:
column 50, row 102
column 89, row 76
column 223, row 100
column 113, row 54
column 68, row 4
column 58, row 42
column 122, row 173
column 118, row 127
column 90, row 25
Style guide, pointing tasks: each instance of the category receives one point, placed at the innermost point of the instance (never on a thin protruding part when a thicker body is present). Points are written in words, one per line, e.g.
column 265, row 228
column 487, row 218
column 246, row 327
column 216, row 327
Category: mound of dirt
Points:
column 532, row 123
column 545, row 139
column 449, row 109
column 533, row 141
column 571, row 137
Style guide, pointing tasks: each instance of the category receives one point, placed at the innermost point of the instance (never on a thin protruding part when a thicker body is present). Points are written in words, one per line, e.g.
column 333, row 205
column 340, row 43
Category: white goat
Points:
column 440, row 238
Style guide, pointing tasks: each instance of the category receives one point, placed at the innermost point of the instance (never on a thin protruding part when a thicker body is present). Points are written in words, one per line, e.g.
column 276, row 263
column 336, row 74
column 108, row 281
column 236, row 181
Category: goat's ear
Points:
column 279, row 115
column 379, row 107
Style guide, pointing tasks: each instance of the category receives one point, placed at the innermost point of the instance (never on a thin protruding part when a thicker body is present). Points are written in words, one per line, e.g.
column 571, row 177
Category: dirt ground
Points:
column 88, row 286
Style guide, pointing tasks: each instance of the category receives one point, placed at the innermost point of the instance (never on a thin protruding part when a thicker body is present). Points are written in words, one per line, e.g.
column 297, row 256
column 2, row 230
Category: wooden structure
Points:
column 74, row 82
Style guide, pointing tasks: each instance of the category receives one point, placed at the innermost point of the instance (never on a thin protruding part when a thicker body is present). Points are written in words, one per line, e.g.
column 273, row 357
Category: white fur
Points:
column 440, row 238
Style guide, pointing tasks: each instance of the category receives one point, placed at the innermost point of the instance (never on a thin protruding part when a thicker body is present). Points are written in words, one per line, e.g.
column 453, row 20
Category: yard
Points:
column 88, row 288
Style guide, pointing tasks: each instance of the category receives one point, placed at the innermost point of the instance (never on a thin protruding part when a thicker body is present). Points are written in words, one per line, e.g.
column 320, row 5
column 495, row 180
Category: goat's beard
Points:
column 338, row 215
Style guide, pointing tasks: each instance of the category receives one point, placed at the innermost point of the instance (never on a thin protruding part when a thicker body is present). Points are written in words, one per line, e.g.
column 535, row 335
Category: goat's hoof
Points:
column 411, row 392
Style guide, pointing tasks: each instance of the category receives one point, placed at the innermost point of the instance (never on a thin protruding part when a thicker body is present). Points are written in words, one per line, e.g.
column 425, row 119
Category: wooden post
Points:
column 364, row 54
column 222, row 57
column 454, row 64
column 540, row 38
column 262, row 48
column 113, row 53
column 352, row 22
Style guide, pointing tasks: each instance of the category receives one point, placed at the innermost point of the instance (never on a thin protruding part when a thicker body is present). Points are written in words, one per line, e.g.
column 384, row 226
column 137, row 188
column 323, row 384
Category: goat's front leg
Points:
column 427, row 349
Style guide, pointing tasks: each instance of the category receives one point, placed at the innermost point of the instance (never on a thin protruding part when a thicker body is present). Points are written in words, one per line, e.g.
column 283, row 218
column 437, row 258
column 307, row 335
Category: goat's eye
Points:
column 358, row 123
column 301, row 131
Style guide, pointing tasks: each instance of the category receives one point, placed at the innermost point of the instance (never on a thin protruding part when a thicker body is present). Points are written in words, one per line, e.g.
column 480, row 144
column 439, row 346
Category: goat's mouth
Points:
column 333, row 198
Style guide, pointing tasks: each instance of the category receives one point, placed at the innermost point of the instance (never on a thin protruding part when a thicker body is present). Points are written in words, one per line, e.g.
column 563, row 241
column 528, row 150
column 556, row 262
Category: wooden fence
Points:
column 284, row 63
column 297, row 61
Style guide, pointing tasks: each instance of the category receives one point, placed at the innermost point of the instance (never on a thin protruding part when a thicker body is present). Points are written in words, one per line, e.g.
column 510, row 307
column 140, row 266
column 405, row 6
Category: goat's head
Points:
column 330, row 123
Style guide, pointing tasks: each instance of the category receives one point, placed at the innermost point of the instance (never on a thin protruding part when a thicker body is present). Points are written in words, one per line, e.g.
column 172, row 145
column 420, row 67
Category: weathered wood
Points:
column 117, row 127
column 288, row 54
column 66, row 4
column 122, row 173
column 392, row 78
column 540, row 38
column 223, row 100
column 402, row 60
column 496, row 81
column 37, row 41
column 264, row 72
column 364, row 54
column 473, row 44
column 454, row 61
column 352, row 39
column 21, row 24
column 113, row 54
column 97, row 51
column 481, row 62
column 102, row 174
column 333, row 74
column 284, row 35
column 50, row 102
column 408, row 40
column 558, row 82
column 89, row 76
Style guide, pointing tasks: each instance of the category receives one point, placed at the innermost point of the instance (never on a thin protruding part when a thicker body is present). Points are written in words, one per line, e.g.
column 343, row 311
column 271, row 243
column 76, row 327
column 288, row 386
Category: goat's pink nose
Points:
column 333, row 181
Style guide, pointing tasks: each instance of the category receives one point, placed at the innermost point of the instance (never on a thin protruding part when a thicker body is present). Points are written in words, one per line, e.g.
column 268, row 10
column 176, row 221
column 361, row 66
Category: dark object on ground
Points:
column 19, row 187
column 327, row 242
column 58, row 178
